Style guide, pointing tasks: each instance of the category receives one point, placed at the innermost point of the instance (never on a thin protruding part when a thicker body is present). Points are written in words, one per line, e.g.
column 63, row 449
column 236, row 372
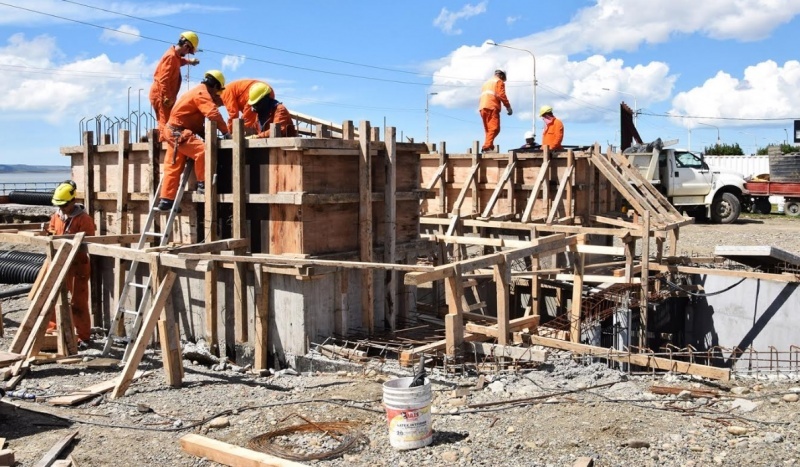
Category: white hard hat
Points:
column 528, row 134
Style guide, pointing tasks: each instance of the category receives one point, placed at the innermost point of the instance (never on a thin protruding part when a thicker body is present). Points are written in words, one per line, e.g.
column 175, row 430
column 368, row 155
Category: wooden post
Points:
column 240, row 308
column 390, row 233
column 536, row 285
column 630, row 250
column 169, row 333
column 551, row 167
column 262, row 318
column 443, row 159
column 512, row 160
column 66, row 343
column 95, row 292
column 577, row 289
column 348, row 132
column 210, row 228
column 674, row 236
column 476, row 160
column 120, row 271
column 454, row 320
column 365, row 227
column 502, row 278
column 645, row 276
column 568, row 210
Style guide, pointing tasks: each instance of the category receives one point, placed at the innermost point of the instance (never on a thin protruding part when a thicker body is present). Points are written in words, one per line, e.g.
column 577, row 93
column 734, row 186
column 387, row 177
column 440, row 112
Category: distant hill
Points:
column 22, row 168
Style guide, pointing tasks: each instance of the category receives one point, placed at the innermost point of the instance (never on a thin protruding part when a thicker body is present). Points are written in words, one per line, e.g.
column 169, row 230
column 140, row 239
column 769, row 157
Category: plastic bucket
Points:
column 408, row 412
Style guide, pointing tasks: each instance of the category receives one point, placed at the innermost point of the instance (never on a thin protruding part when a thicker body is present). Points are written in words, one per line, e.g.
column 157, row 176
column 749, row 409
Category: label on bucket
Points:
column 407, row 425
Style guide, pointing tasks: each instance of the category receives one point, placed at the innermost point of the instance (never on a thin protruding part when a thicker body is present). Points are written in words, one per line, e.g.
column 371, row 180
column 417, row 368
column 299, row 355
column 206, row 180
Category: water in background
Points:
column 25, row 181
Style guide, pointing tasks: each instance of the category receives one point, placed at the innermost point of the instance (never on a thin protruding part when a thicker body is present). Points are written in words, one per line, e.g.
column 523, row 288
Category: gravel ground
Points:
column 611, row 416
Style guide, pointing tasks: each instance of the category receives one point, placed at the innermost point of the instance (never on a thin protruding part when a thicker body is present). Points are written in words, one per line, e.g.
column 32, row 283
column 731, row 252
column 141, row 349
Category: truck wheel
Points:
column 792, row 208
column 762, row 206
column 725, row 209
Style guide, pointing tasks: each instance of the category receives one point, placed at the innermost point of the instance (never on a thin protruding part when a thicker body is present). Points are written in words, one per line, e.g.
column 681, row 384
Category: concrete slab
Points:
column 766, row 258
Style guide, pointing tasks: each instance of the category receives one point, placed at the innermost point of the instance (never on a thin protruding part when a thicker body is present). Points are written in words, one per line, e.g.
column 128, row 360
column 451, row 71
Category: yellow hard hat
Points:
column 257, row 92
column 192, row 38
column 545, row 110
column 217, row 75
column 64, row 193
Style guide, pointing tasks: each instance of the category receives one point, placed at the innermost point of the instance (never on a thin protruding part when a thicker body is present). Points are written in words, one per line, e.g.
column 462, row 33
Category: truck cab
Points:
column 688, row 182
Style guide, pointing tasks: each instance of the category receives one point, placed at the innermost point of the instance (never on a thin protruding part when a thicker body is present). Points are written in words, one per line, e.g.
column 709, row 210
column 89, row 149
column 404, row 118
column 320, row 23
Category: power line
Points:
column 50, row 71
column 743, row 119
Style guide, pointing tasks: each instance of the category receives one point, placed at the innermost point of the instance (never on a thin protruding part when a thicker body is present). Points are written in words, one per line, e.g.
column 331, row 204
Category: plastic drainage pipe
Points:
column 31, row 198
column 16, row 291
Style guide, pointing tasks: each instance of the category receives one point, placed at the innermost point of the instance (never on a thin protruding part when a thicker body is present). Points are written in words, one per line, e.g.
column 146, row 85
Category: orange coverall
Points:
column 77, row 280
column 166, row 84
column 188, row 119
column 282, row 117
column 493, row 93
column 553, row 135
column 235, row 97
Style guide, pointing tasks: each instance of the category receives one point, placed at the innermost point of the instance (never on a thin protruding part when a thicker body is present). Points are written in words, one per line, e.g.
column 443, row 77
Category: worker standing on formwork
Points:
column 167, row 77
column 185, row 124
column 236, row 96
column 493, row 94
column 269, row 111
column 553, row 133
column 72, row 218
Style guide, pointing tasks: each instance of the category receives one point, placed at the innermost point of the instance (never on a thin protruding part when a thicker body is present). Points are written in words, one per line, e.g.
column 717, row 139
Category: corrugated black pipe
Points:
column 28, row 256
column 18, row 272
column 32, row 198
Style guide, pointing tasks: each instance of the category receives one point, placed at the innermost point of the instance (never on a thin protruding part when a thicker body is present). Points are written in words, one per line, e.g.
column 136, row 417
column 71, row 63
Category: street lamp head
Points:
column 433, row 93
column 490, row 42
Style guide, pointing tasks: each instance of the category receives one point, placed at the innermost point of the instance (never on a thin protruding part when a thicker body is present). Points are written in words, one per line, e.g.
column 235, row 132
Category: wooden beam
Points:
column 210, row 235
column 559, row 194
column 527, row 354
column 262, row 284
column 577, row 294
column 365, row 232
column 537, row 185
column 455, row 213
column 392, row 297
column 498, row 188
column 84, row 394
column 52, row 455
column 643, row 326
column 228, row 454
column 502, row 279
column 240, row 308
column 645, row 360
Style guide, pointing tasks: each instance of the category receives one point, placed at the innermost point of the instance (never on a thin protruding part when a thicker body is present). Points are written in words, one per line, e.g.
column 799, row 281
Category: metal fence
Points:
column 6, row 188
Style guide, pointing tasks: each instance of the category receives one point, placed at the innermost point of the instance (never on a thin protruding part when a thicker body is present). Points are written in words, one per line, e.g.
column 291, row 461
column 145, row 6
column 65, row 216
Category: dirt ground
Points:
column 545, row 415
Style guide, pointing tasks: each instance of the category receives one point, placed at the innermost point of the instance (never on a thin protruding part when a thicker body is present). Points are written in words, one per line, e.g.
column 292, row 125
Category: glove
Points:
column 510, row 111
column 226, row 136
column 193, row 61
column 252, row 137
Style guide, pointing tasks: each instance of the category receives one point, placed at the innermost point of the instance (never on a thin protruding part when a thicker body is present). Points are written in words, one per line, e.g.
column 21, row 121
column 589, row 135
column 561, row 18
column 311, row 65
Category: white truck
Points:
column 687, row 181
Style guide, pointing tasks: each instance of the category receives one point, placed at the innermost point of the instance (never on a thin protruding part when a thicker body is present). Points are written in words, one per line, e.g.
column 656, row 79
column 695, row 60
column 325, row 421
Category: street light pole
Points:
column 635, row 107
column 712, row 126
column 786, row 141
column 533, row 114
column 427, row 96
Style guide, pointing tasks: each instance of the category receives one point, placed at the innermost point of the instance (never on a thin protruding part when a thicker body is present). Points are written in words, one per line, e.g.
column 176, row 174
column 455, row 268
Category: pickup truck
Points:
column 760, row 191
column 687, row 181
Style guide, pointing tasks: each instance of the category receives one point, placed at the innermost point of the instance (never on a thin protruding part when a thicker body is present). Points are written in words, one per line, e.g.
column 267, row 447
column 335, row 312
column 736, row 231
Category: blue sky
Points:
column 693, row 69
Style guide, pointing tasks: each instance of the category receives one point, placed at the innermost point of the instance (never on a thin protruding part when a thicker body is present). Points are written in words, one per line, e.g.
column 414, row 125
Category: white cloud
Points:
column 232, row 62
column 766, row 90
column 512, row 19
column 29, row 12
column 124, row 34
column 446, row 20
column 39, row 85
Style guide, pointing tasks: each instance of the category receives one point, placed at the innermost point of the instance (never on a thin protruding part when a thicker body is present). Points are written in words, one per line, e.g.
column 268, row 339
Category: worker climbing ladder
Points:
column 131, row 283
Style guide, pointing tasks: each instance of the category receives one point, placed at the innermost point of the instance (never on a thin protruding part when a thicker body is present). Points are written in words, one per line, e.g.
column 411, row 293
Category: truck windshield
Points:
column 688, row 159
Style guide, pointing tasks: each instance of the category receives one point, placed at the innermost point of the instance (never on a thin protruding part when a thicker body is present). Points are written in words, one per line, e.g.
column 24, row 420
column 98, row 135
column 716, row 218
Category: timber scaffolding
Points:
column 299, row 239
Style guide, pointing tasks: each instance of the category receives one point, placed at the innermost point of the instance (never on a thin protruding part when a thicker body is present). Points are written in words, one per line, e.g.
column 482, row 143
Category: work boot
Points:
column 201, row 188
column 165, row 205
column 488, row 149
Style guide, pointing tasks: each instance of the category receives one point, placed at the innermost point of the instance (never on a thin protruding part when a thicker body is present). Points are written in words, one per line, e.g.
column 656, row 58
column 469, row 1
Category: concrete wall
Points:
column 757, row 313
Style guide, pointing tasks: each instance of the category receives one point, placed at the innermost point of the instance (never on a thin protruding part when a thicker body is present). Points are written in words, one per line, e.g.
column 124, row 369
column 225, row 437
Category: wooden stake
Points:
column 365, row 227
column 210, row 230
column 390, row 232
column 262, row 318
column 240, row 308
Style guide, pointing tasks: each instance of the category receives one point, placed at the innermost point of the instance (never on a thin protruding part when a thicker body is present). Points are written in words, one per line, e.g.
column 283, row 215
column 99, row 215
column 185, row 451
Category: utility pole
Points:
column 427, row 120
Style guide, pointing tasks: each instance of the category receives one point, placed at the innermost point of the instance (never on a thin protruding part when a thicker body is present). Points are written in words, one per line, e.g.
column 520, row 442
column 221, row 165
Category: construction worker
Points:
column 236, row 97
column 184, row 131
column 269, row 111
column 167, row 77
column 493, row 94
column 71, row 218
column 553, row 133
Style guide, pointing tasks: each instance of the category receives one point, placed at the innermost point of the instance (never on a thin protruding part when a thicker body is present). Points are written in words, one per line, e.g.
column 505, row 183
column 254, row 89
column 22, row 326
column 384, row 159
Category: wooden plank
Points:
column 66, row 343
column 145, row 333
column 228, row 454
column 645, row 276
column 52, row 455
column 79, row 396
column 39, row 278
column 7, row 457
column 392, row 298
column 502, row 278
column 559, row 193
column 240, row 308
column 577, row 294
column 537, row 185
column 455, row 213
column 210, row 231
column 7, row 358
column 600, row 250
column 261, row 285
column 531, row 321
column 645, row 360
column 498, row 188
column 432, row 182
column 365, row 227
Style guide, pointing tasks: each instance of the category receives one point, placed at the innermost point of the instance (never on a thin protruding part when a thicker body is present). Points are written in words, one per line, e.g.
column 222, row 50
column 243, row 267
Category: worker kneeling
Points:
column 269, row 111
column 71, row 218
column 186, row 123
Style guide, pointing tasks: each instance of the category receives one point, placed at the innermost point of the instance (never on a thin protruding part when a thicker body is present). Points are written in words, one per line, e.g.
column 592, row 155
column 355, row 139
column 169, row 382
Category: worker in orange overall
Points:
column 493, row 94
column 235, row 96
column 167, row 77
column 269, row 111
column 553, row 133
column 185, row 124
column 71, row 218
